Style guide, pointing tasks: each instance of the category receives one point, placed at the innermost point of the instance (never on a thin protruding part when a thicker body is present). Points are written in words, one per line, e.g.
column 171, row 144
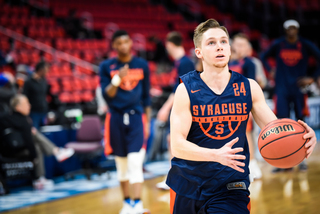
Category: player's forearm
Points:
column 187, row 150
column 111, row 90
column 168, row 104
column 147, row 111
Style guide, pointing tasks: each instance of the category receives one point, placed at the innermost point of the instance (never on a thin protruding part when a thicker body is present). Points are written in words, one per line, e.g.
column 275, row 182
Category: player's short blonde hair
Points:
column 203, row 27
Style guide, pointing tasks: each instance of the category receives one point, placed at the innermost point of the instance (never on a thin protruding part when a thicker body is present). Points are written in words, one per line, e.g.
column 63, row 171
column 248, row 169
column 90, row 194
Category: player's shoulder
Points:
column 237, row 76
column 248, row 60
column 185, row 60
column 181, row 93
column 140, row 61
column 278, row 41
column 305, row 41
column 190, row 76
column 253, row 84
column 108, row 62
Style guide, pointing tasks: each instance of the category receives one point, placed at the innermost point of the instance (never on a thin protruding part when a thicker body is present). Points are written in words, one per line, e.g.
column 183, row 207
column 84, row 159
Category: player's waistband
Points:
column 128, row 111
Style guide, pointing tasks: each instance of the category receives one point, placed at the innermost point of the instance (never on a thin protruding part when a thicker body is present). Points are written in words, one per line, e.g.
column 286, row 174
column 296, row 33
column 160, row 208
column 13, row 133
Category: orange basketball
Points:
column 281, row 143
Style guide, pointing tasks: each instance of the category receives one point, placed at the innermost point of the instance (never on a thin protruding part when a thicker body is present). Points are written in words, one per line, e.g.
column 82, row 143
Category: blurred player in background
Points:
column 183, row 65
column 291, row 53
column 260, row 73
column 209, row 172
column 242, row 64
column 36, row 90
column 125, row 87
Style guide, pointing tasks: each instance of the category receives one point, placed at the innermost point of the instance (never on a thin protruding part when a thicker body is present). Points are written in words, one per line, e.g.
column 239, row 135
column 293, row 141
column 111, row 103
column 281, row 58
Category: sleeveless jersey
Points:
column 216, row 120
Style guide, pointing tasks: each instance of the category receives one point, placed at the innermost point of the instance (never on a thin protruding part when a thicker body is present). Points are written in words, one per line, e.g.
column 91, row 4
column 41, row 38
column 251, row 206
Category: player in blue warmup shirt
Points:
column 241, row 63
column 183, row 65
column 125, row 86
column 291, row 53
column 209, row 172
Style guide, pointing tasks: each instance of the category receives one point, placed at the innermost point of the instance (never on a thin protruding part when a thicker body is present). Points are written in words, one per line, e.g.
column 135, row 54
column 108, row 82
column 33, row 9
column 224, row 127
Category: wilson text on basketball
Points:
column 277, row 130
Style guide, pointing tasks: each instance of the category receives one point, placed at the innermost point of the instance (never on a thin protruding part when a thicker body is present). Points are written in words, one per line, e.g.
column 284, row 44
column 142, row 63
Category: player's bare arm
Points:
column 112, row 88
column 263, row 115
column 164, row 111
column 181, row 120
column 147, row 111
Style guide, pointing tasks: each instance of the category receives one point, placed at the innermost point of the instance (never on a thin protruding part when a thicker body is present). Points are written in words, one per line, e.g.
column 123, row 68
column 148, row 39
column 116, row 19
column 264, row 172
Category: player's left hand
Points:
column 311, row 135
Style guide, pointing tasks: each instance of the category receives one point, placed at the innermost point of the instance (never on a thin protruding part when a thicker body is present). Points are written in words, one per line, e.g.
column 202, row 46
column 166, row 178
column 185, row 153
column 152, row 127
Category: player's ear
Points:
column 198, row 53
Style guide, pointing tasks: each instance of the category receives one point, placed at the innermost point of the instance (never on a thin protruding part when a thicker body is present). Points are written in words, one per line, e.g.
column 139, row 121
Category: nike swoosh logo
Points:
column 192, row 91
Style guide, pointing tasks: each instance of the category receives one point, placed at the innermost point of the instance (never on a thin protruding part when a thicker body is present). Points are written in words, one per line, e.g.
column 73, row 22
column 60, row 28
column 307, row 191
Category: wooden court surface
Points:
column 283, row 193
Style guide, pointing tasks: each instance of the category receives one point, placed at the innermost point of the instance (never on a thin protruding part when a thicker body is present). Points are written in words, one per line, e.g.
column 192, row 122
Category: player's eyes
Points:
column 211, row 43
column 224, row 41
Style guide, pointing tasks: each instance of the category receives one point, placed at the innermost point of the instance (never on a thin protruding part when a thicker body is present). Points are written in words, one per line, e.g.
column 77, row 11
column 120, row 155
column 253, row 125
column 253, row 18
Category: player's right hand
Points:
column 123, row 71
column 227, row 156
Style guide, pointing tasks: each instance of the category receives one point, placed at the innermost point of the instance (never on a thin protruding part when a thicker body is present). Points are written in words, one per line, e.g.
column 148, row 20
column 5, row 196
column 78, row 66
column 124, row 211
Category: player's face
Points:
column 169, row 47
column 240, row 46
column 215, row 48
column 292, row 31
column 44, row 71
column 122, row 45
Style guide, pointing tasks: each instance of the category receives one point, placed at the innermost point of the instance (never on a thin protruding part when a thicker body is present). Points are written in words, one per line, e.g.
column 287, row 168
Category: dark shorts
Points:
column 283, row 105
column 123, row 133
column 231, row 202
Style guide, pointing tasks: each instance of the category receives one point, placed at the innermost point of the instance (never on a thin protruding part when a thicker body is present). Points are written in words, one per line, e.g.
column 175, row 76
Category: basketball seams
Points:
column 289, row 154
column 281, row 138
column 286, row 156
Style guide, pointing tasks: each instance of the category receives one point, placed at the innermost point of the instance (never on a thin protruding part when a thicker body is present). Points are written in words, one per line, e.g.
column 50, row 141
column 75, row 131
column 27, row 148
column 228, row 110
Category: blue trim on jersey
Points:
column 217, row 119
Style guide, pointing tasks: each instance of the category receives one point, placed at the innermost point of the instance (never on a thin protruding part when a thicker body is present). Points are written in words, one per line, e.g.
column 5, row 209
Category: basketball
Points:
column 281, row 143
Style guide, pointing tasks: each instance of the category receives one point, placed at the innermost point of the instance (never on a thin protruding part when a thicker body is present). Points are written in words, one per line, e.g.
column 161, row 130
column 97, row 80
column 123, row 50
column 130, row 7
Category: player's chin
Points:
column 124, row 52
column 220, row 64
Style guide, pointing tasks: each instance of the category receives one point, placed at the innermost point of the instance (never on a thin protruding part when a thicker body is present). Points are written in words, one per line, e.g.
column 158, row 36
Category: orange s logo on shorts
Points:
column 290, row 57
column 132, row 79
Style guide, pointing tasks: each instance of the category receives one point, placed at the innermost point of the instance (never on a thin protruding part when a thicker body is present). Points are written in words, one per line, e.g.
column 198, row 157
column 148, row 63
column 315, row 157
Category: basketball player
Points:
column 292, row 54
column 125, row 87
column 242, row 64
column 209, row 172
column 182, row 66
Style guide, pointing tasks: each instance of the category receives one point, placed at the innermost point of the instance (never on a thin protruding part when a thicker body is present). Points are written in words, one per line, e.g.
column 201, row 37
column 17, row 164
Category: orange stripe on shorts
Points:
column 172, row 200
column 107, row 146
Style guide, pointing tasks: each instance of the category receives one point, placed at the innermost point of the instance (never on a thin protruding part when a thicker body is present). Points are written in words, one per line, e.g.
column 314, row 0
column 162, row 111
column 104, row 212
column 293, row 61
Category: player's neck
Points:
column 292, row 39
column 178, row 53
column 124, row 58
column 216, row 78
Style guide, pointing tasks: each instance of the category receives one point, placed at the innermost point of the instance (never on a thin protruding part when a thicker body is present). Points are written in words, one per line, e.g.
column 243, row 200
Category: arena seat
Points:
column 87, row 147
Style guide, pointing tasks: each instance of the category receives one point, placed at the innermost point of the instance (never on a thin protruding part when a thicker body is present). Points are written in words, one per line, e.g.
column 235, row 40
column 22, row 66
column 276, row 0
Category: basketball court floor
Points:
column 283, row 193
